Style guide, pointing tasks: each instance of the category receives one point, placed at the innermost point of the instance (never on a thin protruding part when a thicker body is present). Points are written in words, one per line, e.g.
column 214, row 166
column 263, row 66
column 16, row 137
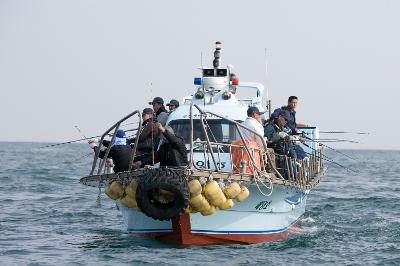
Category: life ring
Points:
column 162, row 193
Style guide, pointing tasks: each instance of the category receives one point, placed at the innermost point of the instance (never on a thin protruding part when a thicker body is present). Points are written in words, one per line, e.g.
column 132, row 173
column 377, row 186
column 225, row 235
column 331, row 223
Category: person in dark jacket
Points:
column 120, row 152
column 293, row 125
column 277, row 135
column 159, row 109
column 148, row 139
column 172, row 151
column 292, row 104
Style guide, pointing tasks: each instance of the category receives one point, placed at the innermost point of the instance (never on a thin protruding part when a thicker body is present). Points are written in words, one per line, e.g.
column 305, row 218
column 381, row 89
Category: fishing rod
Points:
column 77, row 128
column 133, row 123
column 324, row 145
column 77, row 140
column 67, row 142
column 324, row 157
column 337, row 140
column 344, row 132
column 80, row 157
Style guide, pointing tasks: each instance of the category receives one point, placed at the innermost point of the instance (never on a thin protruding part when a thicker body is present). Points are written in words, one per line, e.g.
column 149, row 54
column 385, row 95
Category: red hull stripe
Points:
column 212, row 239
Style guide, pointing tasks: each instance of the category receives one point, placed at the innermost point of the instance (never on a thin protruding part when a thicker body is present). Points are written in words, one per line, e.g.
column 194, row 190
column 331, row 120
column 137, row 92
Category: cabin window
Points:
column 218, row 130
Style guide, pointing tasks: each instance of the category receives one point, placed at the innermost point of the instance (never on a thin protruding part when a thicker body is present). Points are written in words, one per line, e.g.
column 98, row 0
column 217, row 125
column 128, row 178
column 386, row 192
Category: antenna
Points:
column 266, row 73
column 151, row 89
column 201, row 59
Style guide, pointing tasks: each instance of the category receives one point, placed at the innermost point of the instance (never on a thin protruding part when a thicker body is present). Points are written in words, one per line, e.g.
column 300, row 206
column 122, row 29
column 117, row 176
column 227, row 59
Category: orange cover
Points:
column 239, row 153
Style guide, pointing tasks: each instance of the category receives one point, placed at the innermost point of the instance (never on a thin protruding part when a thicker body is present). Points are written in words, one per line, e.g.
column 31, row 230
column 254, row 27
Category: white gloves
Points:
column 295, row 139
column 283, row 135
column 93, row 143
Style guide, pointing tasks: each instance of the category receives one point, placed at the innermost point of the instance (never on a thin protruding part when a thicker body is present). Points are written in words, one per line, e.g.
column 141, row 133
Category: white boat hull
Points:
column 257, row 219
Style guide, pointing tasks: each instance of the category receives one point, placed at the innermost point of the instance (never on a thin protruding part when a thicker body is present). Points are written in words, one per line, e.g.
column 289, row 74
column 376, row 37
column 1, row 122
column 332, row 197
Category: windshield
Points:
column 218, row 130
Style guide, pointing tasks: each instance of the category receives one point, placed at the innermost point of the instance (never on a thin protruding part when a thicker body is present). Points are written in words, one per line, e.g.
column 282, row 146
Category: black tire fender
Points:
column 171, row 180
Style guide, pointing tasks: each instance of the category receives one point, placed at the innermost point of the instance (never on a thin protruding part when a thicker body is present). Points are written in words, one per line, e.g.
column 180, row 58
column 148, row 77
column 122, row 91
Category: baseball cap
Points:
column 147, row 111
column 285, row 114
column 252, row 110
column 173, row 102
column 157, row 100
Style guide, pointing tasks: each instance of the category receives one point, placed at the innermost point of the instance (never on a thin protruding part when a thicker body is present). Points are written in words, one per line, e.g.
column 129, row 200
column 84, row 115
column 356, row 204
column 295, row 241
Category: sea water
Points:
column 48, row 218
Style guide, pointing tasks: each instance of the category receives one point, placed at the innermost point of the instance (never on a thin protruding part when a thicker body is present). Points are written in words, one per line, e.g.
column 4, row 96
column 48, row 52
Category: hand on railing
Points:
column 93, row 142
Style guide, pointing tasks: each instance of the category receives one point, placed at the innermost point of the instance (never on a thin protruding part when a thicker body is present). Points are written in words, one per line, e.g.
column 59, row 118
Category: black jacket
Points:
column 148, row 142
column 120, row 154
column 173, row 151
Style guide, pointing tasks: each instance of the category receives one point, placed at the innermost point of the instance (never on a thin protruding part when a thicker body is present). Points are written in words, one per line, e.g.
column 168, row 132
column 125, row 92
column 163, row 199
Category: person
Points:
column 253, row 122
column 292, row 104
column 148, row 139
column 159, row 109
column 276, row 133
column 120, row 152
column 242, row 162
column 172, row 105
column 172, row 151
column 293, row 125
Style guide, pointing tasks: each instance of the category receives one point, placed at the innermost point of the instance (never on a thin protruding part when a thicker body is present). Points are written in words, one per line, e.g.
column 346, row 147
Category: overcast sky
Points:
column 88, row 63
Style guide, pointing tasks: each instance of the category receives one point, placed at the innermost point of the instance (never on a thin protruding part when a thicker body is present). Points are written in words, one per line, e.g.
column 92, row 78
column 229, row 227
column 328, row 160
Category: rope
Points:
column 270, row 187
column 98, row 200
column 152, row 143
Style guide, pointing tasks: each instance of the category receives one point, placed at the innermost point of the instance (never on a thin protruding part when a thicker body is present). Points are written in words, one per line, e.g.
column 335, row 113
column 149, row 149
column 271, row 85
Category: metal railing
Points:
column 267, row 160
column 301, row 171
column 296, row 171
column 255, row 163
column 115, row 127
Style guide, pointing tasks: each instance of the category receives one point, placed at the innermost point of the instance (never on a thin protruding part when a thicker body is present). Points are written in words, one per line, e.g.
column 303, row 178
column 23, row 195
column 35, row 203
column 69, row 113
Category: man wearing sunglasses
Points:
column 172, row 105
column 159, row 109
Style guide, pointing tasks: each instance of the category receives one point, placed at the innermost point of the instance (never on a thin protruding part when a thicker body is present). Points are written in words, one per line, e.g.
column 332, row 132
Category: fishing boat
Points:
column 232, row 191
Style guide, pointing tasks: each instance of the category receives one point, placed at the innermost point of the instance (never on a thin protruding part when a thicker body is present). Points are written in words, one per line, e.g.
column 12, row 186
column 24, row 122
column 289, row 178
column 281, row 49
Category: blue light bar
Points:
column 197, row 81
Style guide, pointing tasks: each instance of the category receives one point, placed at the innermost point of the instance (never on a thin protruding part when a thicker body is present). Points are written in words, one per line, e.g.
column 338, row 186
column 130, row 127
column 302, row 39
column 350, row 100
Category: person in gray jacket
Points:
column 159, row 109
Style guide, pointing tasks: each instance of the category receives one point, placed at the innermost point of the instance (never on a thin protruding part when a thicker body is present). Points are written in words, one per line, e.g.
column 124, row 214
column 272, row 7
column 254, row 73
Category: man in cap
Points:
column 172, row 105
column 159, row 109
column 253, row 122
column 148, row 139
column 276, row 132
column 120, row 152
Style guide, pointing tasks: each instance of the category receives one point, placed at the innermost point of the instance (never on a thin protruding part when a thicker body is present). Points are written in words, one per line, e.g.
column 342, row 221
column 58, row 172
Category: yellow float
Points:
column 209, row 211
column 129, row 202
column 244, row 193
column 226, row 205
column 130, row 195
column 194, row 187
column 131, row 189
column 199, row 203
column 232, row 190
column 214, row 194
column 115, row 190
column 163, row 196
